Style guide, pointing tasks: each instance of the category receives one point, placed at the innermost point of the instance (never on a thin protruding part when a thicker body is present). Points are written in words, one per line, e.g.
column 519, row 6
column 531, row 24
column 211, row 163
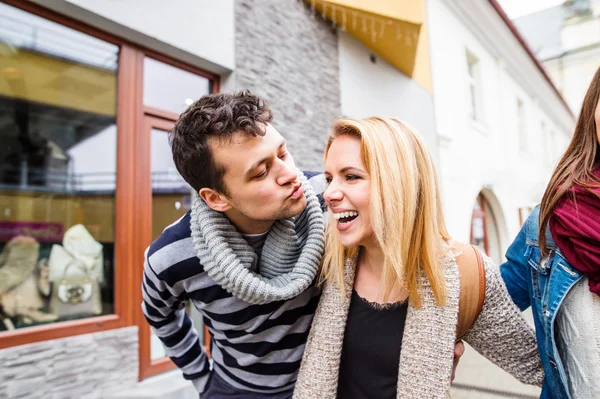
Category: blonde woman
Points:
column 386, row 324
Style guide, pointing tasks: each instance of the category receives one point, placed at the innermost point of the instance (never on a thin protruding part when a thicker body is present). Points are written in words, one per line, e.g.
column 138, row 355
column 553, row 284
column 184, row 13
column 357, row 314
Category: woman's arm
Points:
column 515, row 271
column 502, row 335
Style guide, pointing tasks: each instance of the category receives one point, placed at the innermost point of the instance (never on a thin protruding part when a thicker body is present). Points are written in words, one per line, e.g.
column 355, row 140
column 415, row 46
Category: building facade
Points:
column 501, row 128
column 566, row 38
column 501, row 124
column 89, row 91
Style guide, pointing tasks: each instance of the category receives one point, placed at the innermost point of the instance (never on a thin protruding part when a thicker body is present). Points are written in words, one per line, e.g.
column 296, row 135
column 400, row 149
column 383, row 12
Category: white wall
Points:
column 573, row 74
column 379, row 89
column 474, row 156
column 581, row 34
column 486, row 157
column 200, row 32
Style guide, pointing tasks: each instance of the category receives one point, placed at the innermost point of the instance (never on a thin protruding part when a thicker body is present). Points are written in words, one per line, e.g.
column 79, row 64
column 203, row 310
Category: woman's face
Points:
column 348, row 194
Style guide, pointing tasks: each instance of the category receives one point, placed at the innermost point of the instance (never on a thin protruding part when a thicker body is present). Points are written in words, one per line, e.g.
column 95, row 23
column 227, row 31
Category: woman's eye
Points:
column 284, row 155
column 352, row 177
column 328, row 180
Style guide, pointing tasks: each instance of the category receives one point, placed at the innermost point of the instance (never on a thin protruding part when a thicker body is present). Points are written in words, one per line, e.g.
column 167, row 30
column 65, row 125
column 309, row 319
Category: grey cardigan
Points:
column 500, row 334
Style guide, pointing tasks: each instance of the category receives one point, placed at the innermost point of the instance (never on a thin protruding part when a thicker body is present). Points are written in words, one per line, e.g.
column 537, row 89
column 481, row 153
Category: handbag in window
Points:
column 76, row 295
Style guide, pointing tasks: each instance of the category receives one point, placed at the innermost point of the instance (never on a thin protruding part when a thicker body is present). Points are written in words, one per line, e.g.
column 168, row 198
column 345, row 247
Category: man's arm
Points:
column 169, row 321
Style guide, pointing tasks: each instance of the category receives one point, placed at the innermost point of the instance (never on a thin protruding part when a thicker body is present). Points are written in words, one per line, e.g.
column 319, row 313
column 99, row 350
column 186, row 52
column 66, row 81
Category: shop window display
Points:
column 58, row 90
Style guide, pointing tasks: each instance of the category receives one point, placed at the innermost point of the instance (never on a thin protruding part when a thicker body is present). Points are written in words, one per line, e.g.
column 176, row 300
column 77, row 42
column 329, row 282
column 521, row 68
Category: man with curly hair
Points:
column 246, row 255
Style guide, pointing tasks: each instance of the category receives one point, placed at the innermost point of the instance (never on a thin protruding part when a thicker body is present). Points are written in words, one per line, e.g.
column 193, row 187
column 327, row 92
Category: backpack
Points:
column 472, row 291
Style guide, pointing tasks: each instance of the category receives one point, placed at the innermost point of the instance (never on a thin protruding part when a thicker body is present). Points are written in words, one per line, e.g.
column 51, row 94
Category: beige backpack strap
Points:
column 472, row 290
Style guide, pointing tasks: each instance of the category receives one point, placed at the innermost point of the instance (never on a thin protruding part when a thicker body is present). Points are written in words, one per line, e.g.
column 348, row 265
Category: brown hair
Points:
column 214, row 116
column 577, row 163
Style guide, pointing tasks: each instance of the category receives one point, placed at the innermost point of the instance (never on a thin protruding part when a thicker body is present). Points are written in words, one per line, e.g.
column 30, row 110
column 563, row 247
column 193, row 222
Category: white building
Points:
column 501, row 125
column 566, row 38
column 89, row 89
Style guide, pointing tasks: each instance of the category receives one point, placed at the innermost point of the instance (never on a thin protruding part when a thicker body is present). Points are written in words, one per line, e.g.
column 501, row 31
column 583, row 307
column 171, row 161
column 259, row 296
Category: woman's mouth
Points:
column 345, row 219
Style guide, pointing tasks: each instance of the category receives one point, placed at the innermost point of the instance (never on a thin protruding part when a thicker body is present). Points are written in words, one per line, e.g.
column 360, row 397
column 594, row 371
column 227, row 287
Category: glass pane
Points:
column 170, row 193
column 58, row 90
column 170, row 88
column 473, row 95
column 170, row 200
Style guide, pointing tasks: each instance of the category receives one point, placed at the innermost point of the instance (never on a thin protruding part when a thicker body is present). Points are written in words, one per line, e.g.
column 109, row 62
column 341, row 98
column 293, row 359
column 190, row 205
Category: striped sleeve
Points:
column 165, row 312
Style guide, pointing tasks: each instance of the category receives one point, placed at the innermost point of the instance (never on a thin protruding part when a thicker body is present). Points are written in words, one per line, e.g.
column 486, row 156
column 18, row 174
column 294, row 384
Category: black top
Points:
column 371, row 350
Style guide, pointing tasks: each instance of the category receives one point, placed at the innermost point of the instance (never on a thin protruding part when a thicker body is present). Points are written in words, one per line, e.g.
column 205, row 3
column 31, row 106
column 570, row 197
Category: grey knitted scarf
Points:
column 289, row 260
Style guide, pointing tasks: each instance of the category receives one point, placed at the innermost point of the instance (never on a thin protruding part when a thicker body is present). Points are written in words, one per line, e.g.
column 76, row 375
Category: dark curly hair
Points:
column 214, row 116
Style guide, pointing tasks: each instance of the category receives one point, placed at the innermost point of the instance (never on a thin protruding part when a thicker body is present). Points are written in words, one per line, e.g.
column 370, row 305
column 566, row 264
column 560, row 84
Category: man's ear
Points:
column 214, row 199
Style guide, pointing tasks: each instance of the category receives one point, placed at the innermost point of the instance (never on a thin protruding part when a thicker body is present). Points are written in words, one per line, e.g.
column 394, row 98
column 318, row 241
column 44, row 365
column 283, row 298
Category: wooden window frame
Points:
column 132, row 209
column 162, row 120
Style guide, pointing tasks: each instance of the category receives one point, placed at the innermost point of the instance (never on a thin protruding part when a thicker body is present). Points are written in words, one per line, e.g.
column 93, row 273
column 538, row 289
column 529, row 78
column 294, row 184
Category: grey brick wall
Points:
column 291, row 59
column 83, row 366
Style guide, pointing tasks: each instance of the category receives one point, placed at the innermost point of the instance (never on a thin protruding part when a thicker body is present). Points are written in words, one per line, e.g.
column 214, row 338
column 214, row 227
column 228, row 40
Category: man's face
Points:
column 261, row 180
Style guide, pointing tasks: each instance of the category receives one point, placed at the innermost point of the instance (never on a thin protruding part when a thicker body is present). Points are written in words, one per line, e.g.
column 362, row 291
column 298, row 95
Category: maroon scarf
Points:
column 575, row 227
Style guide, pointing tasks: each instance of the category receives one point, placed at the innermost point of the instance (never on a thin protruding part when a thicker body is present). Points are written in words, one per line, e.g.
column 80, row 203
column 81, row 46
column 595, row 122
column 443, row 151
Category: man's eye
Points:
column 263, row 174
column 284, row 155
column 328, row 180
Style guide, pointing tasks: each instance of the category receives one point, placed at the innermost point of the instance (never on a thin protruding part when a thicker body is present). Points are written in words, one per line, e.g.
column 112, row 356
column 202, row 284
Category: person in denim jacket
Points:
column 554, row 264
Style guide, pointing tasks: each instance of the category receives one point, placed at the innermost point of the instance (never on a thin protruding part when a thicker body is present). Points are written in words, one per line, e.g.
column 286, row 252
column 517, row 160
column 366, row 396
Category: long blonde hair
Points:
column 405, row 207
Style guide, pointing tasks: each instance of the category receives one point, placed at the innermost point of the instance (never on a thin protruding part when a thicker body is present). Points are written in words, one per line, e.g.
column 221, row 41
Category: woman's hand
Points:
column 459, row 350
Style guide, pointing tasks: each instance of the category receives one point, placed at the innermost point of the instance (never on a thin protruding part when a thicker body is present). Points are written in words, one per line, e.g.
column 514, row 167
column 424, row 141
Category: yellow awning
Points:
column 392, row 29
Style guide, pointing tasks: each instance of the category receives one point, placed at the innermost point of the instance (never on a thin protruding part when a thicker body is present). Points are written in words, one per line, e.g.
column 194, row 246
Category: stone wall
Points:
column 291, row 59
column 84, row 366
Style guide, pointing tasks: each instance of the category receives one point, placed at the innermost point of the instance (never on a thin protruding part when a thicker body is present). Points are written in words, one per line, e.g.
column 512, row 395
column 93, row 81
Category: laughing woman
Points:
column 388, row 317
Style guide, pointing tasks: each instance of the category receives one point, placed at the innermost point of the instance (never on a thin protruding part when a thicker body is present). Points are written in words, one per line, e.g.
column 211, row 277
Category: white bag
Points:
column 80, row 246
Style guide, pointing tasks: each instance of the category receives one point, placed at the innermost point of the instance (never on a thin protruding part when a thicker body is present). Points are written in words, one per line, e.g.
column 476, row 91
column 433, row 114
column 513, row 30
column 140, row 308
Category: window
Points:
column 484, row 228
column 58, row 159
column 168, row 91
column 474, row 85
column 170, row 88
column 86, row 177
column 522, row 126
column 547, row 145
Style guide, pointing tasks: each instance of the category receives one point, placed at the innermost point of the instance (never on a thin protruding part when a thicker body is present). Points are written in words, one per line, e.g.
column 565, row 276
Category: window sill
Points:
column 59, row 330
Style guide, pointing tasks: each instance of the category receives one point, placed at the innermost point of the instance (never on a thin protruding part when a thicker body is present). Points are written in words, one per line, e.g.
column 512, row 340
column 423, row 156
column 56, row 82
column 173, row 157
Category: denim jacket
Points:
column 543, row 284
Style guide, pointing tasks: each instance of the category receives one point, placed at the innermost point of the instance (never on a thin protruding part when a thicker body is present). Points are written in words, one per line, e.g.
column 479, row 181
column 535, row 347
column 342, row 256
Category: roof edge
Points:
column 527, row 49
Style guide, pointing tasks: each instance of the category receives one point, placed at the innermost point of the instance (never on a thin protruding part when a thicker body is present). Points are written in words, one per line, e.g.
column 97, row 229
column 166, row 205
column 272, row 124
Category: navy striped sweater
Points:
column 254, row 347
